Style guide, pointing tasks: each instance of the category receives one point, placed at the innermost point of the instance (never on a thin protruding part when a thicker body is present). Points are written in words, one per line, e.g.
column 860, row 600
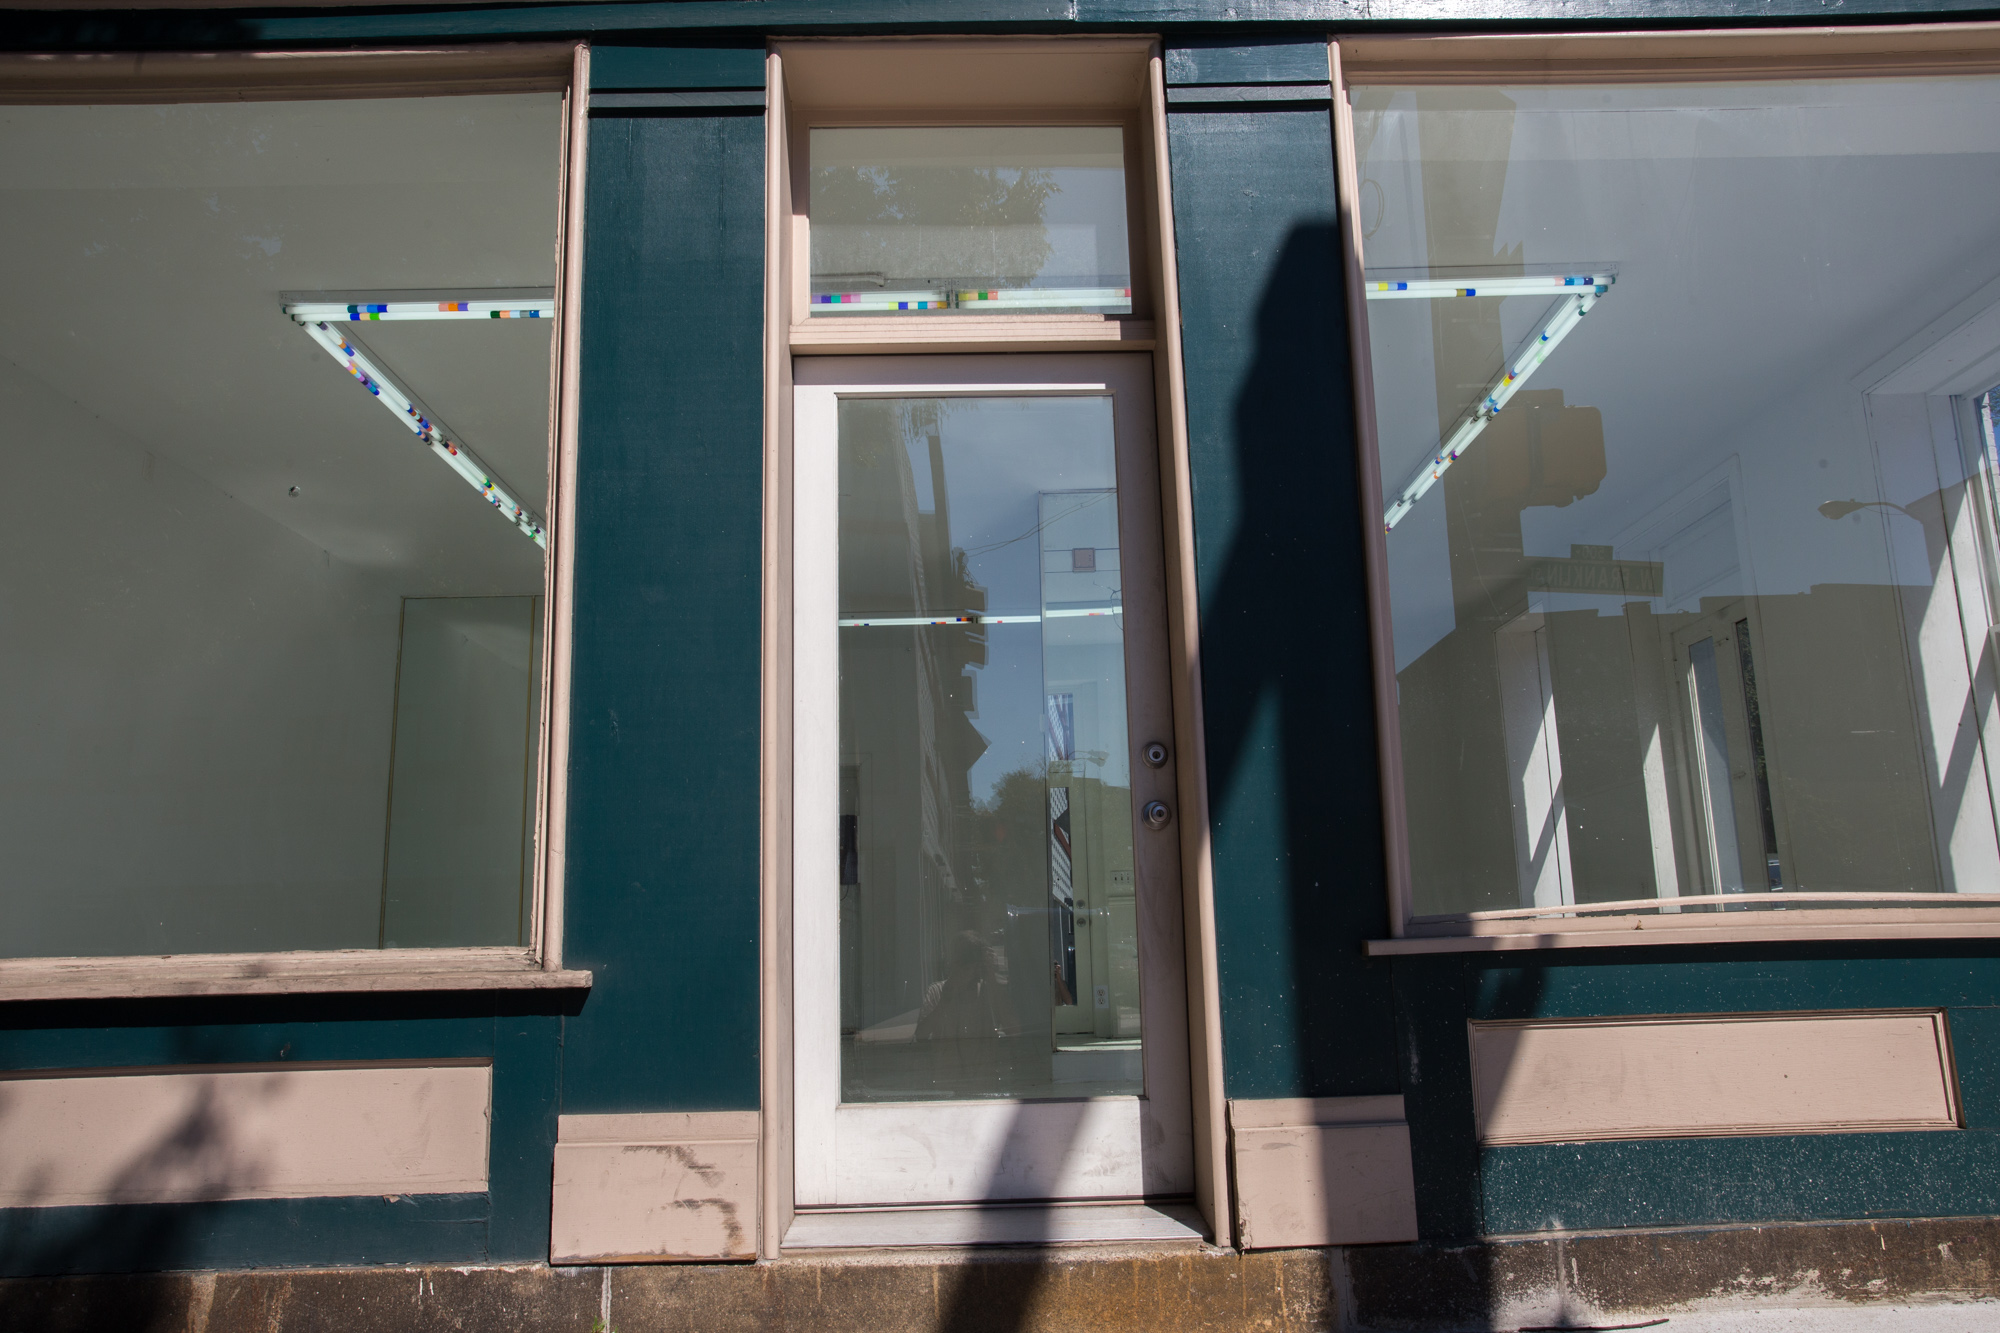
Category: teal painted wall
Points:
column 662, row 875
column 1294, row 786
column 521, row 1037
column 1293, row 791
column 1298, row 19
column 1465, row 1191
column 662, row 886
column 663, row 846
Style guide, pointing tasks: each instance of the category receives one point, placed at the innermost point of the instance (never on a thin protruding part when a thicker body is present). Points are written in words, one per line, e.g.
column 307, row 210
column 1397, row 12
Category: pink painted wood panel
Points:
column 256, row 1132
column 1710, row 1076
column 661, row 1187
column 1322, row 1171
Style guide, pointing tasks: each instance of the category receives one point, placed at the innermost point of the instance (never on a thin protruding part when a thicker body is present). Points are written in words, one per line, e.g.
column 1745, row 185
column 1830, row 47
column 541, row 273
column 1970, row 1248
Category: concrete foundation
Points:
column 1570, row 1281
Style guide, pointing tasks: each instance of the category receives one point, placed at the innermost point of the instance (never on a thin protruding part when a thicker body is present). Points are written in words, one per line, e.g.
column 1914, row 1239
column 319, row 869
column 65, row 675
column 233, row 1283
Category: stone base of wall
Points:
column 1563, row 1281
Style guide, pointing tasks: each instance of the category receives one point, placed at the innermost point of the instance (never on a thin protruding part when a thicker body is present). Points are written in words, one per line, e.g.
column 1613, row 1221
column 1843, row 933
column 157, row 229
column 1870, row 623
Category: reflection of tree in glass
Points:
column 932, row 224
column 1012, row 850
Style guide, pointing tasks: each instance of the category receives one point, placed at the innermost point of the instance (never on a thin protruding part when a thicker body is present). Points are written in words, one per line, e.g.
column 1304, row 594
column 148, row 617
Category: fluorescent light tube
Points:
column 1117, row 299
column 307, row 312
column 343, row 348
column 840, row 303
column 1430, row 289
column 1569, row 312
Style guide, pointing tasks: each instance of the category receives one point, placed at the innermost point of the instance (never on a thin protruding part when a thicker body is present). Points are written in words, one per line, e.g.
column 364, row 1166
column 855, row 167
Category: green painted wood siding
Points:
column 1285, row 659
column 662, row 889
column 620, row 68
column 1464, row 1191
column 509, row 1223
column 34, row 30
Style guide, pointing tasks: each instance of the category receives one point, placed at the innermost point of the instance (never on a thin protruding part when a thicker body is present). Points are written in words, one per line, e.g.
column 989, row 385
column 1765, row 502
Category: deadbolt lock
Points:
column 1156, row 814
column 1156, row 754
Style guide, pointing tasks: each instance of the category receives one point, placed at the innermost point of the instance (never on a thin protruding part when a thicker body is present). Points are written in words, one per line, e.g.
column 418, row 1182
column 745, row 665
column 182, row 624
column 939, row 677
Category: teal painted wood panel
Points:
column 1293, row 793
column 1738, row 979
column 249, row 1233
column 1463, row 1190
column 41, row 30
column 527, row 1070
column 649, row 67
column 508, row 1223
column 1234, row 60
column 1787, row 1178
column 662, row 888
column 1975, row 1049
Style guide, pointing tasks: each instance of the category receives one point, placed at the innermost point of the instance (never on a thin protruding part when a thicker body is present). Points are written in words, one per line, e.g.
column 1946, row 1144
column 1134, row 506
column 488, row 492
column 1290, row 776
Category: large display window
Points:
column 1685, row 504
column 281, row 379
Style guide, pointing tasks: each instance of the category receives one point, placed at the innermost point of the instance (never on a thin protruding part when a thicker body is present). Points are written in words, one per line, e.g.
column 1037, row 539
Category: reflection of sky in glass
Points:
column 1000, row 455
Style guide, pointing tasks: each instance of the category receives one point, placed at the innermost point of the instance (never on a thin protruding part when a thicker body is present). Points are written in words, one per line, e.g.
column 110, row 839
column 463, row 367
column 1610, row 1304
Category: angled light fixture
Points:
column 1577, row 293
column 318, row 319
column 511, row 307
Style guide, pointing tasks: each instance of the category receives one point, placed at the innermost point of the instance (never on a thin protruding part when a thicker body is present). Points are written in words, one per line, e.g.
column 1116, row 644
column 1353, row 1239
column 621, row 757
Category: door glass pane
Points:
column 988, row 945
column 993, row 218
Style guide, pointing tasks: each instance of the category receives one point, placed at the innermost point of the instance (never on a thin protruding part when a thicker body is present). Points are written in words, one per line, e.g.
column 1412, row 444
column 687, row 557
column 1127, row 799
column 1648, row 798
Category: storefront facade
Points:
column 1134, row 625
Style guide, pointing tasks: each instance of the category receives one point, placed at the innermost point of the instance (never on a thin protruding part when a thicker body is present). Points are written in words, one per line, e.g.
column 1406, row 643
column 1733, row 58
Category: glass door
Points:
column 988, row 988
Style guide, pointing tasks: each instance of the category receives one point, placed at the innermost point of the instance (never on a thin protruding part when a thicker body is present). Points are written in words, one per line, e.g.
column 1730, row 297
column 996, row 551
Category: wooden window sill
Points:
column 1859, row 924
column 344, row 971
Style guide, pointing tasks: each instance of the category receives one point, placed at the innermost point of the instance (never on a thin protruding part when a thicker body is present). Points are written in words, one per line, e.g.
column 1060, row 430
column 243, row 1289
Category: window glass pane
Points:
column 270, row 548
column 989, row 942
column 989, row 218
column 1687, row 487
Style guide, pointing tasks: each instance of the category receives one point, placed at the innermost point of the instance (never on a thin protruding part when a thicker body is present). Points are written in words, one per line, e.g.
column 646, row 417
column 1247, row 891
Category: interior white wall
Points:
column 195, row 702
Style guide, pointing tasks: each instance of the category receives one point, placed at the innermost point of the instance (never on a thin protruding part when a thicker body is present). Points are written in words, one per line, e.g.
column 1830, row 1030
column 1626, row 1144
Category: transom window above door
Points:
column 967, row 196
column 995, row 218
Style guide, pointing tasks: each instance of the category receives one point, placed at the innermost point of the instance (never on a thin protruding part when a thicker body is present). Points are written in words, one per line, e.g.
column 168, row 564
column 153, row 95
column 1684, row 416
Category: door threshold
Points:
column 996, row 1224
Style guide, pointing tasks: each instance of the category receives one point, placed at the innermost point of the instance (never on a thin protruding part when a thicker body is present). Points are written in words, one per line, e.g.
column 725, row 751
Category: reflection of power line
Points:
column 1099, row 498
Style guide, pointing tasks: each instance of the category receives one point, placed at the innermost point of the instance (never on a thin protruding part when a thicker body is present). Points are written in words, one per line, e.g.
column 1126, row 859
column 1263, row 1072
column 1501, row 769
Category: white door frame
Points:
column 969, row 1151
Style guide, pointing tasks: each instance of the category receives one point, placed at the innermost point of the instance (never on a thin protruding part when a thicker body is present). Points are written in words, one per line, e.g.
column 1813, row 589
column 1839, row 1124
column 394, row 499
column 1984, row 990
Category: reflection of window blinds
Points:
column 1578, row 292
column 317, row 318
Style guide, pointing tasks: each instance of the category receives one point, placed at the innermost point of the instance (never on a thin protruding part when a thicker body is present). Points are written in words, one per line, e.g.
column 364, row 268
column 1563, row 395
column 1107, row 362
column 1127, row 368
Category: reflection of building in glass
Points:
column 987, row 926
column 1731, row 684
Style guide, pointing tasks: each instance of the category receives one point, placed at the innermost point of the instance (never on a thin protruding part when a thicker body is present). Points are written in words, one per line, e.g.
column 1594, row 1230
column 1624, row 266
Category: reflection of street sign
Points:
column 1591, row 569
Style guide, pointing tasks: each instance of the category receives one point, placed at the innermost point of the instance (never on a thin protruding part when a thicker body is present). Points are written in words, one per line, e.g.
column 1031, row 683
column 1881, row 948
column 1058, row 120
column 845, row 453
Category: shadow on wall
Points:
column 1449, row 1280
column 1287, row 693
column 190, row 1158
column 1287, row 686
